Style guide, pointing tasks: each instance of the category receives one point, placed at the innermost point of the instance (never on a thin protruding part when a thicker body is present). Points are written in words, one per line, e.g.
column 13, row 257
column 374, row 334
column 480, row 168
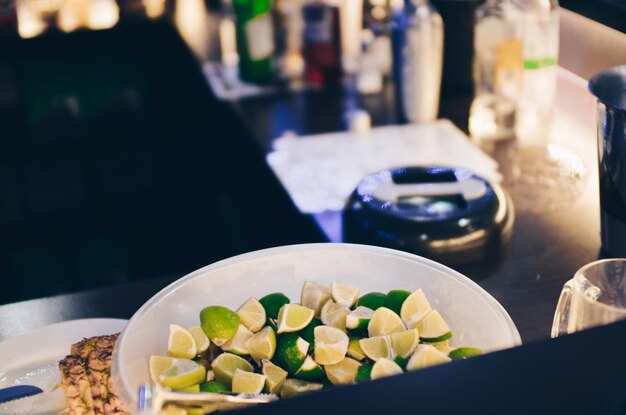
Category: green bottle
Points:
column 255, row 39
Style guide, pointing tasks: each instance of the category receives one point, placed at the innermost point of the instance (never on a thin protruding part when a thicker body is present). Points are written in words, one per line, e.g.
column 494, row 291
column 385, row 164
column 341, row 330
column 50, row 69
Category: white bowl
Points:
column 474, row 316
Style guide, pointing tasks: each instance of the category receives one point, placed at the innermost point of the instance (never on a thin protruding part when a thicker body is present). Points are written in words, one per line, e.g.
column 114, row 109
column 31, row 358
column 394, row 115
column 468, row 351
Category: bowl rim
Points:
column 120, row 385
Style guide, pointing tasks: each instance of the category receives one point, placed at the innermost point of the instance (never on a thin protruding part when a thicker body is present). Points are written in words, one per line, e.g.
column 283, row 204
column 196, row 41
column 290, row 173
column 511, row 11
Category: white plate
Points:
column 475, row 317
column 32, row 359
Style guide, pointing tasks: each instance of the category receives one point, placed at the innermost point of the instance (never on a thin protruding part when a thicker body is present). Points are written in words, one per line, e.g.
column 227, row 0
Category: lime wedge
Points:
column 291, row 351
column 308, row 332
column 219, row 323
column 158, row 365
column 426, row 355
column 334, row 314
column 252, row 314
column 262, row 345
column 414, row 308
column 372, row 301
column 385, row 367
column 464, row 352
column 364, row 372
column 202, row 341
column 354, row 349
column 309, row 370
column 274, row 376
column 272, row 304
column 344, row 294
column 331, row 345
column 173, row 410
column 404, row 343
column 237, row 344
column 192, row 388
column 395, row 299
column 292, row 387
column 384, row 322
column 314, row 296
column 433, row 329
column 376, row 348
column 181, row 343
column 182, row 374
column 248, row 382
column 294, row 317
column 213, row 386
column 358, row 320
column 225, row 365
column 344, row 372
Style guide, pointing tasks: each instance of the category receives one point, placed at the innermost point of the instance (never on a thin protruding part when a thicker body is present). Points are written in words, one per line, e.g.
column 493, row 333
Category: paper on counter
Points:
column 321, row 171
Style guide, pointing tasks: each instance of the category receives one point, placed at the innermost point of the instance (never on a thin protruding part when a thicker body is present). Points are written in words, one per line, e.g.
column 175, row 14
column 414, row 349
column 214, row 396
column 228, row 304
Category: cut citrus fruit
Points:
column 294, row 317
column 237, row 344
column 181, row 343
column 158, row 365
column 358, row 320
column 464, row 353
column 314, row 296
column 343, row 372
column 334, row 314
column 225, row 365
column 202, row 341
column 331, row 345
column 376, row 348
column 274, row 376
column 262, row 345
column 291, row 351
column 414, row 308
column 248, row 382
column 372, row 301
column 354, row 349
column 395, row 299
column 433, row 329
column 252, row 314
column 308, row 332
column 292, row 387
column 309, row 370
column 272, row 304
column 426, row 355
column 344, row 294
column 182, row 374
column 219, row 323
column 404, row 343
column 385, row 367
column 384, row 322
column 193, row 388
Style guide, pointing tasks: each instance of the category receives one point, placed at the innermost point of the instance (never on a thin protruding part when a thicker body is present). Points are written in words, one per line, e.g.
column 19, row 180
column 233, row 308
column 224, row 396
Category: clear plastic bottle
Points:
column 498, row 67
column 541, row 49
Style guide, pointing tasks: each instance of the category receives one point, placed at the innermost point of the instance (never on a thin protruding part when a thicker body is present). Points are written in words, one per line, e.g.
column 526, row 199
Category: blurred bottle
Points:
column 288, row 28
column 322, row 42
column 541, row 49
column 498, row 67
column 417, row 46
column 255, row 39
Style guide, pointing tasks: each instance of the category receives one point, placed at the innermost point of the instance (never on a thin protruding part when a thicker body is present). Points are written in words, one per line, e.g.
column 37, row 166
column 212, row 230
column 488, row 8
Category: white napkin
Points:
column 321, row 171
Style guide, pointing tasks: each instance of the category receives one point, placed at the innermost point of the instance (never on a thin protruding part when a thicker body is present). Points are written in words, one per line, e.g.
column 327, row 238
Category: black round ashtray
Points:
column 444, row 213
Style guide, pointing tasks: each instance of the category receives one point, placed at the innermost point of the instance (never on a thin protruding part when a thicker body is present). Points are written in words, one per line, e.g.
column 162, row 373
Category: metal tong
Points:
column 152, row 399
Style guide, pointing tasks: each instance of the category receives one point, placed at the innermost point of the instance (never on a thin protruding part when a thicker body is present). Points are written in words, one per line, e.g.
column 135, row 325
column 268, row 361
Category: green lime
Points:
column 354, row 349
column 193, row 388
column 404, row 343
column 182, row 374
column 262, row 345
column 414, row 308
column 372, row 300
column 219, row 323
column 252, row 314
column 433, row 328
column 358, row 319
column 426, row 355
column 395, row 299
column 314, row 296
column 275, row 376
column 385, row 367
column 376, row 348
column 331, row 345
column 272, row 304
column 213, row 387
column 294, row 317
column 334, row 314
column 308, row 332
column 309, row 370
column 364, row 372
column 293, row 387
column 237, row 344
column 401, row 361
column 384, row 322
column 291, row 351
column 464, row 353
column 344, row 372
column 181, row 343
column 225, row 365
column 248, row 382
column 344, row 294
